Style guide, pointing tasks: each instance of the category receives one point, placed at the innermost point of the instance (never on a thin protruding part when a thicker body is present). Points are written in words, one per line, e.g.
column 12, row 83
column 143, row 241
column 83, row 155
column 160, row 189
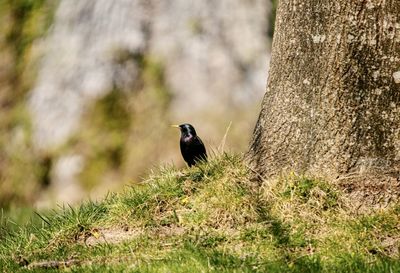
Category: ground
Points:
column 210, row 218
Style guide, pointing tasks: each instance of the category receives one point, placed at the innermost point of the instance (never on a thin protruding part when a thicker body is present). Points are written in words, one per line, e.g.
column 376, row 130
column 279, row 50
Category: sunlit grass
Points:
column 211, row 218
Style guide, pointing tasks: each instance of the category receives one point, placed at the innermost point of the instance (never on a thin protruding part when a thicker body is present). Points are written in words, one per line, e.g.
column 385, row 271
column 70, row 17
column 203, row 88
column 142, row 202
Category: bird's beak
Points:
column 175, row 126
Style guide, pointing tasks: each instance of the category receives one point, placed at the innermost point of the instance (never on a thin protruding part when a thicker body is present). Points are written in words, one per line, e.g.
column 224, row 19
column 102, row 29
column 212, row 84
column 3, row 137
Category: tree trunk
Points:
column 332, row 105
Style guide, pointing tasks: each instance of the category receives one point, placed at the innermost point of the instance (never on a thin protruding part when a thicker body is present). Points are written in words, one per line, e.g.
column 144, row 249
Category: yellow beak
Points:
column 176, row 126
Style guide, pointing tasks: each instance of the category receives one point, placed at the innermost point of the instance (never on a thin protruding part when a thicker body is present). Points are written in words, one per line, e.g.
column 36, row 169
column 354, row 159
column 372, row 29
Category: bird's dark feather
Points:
column 192, row 148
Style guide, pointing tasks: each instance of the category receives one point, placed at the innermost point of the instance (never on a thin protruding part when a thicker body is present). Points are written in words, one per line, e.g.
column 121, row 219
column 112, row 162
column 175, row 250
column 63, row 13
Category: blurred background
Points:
column 88, row 89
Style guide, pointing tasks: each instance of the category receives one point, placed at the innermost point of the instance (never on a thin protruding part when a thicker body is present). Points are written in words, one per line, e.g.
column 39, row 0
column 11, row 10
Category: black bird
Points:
column 192, row 148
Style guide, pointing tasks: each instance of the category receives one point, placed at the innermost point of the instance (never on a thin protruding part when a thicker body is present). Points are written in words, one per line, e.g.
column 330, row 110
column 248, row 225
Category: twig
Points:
column 222, row 145
column 54, row 264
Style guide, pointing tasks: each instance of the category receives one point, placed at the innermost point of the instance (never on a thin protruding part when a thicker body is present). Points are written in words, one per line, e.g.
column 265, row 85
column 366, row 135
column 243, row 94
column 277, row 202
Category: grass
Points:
column 209, row 218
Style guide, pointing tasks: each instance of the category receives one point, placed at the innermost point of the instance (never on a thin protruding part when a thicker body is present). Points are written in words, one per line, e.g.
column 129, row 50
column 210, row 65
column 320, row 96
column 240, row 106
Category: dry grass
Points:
column 213, row 218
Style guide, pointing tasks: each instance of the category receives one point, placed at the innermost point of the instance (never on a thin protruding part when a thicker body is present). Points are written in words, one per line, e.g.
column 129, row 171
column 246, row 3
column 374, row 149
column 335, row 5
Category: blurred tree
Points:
column 332, row 105
column 22, row 173
column 272, row 17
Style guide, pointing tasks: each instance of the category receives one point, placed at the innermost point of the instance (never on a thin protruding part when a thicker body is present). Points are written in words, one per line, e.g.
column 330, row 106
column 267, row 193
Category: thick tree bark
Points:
column 332, row 105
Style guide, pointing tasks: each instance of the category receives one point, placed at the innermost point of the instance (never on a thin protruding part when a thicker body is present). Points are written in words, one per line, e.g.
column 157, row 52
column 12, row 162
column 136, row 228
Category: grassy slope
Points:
column 211, row 218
